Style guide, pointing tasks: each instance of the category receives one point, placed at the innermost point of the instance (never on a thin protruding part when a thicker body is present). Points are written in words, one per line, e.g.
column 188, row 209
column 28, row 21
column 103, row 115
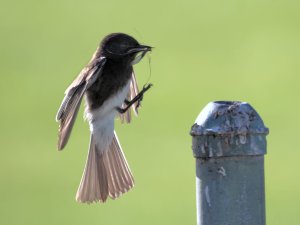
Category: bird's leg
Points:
column 138, row 98
column 126, row 101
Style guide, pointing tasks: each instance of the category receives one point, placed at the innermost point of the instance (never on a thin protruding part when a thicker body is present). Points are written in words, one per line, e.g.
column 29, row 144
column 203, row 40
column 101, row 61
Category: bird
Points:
column 109, row 86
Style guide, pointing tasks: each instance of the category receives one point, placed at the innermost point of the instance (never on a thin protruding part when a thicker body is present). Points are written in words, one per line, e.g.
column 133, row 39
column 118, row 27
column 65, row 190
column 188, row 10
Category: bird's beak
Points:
column 140, row 53
column 141, row 48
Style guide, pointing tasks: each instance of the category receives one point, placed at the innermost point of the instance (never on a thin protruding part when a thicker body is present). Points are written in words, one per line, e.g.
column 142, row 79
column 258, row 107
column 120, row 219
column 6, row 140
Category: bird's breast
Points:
column 108, row 108
column 101, row 120
column 110, row 83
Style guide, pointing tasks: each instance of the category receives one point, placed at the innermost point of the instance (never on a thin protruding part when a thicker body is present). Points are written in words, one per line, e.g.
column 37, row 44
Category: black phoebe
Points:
column 109, row 85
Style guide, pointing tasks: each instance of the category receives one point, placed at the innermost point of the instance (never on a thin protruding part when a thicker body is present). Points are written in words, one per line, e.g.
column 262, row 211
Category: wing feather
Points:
column 133, row 91
column 68, row 116
column 68, row 110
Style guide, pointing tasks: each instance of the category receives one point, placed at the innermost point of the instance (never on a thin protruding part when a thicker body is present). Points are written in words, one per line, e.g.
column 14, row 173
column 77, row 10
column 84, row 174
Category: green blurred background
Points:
column 204, row 51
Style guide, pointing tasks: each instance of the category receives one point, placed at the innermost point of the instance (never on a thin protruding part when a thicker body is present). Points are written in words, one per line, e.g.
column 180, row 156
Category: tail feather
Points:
column 93, row 185
column 114, row 180
column 122, row 163
column 105, row 175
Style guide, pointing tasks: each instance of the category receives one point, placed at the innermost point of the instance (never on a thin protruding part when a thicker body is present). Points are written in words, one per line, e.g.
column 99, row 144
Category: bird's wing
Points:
column 68, row 110
column 133, row 91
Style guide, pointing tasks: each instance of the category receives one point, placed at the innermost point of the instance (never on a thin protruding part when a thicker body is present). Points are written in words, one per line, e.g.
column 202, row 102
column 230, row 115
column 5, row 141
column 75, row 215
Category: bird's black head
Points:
column 119, row 46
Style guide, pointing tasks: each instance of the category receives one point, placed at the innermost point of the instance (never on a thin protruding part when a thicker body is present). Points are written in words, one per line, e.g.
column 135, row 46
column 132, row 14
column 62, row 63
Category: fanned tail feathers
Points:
column 104, row 175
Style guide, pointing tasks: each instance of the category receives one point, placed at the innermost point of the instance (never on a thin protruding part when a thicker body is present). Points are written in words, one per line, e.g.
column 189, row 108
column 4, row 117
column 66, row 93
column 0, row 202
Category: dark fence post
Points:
column 229, row 143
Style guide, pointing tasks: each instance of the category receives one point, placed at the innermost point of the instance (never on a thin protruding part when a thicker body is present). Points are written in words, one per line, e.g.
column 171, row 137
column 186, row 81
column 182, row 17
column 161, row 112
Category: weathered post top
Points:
column 228, row 128
column 229, row 143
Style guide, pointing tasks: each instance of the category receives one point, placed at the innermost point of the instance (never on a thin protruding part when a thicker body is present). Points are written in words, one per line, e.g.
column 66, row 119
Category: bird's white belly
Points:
column 101, row 120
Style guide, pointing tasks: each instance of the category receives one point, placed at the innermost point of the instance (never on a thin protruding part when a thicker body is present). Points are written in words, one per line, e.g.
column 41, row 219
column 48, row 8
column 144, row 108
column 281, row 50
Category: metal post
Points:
column 229, row 143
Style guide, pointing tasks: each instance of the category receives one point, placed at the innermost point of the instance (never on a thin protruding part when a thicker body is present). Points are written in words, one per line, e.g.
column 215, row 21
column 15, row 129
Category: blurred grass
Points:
column 204, row 51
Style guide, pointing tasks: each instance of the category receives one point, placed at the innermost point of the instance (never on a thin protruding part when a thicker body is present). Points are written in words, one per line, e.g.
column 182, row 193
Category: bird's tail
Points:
column 104, row 175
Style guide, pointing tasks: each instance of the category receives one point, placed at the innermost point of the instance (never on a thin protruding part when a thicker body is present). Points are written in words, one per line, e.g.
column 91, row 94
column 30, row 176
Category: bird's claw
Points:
column 145, row 88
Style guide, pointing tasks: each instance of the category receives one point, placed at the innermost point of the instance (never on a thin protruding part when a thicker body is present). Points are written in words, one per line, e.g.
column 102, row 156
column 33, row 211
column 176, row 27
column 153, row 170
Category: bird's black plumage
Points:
column 116, row 48
column 110, row 87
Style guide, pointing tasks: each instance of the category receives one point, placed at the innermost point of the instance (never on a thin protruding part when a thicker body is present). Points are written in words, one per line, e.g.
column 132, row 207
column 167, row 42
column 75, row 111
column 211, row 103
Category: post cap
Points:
column 228, row 128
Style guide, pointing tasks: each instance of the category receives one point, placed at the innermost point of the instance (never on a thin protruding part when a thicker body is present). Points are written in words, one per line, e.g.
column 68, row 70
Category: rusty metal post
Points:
column 229, row 143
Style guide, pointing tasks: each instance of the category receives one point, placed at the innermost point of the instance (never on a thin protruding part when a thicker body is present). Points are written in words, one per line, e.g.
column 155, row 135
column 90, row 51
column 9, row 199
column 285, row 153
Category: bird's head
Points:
column 119, row 46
